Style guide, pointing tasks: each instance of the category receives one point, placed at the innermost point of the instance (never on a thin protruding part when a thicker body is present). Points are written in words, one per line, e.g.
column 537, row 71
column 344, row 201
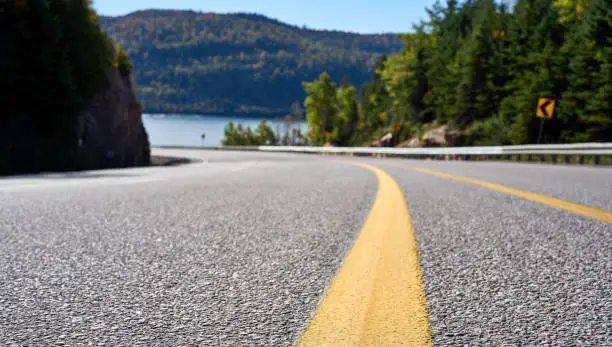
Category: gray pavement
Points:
column 586, row 185
column 502, row 271
column 231, row 253
column 238, row 248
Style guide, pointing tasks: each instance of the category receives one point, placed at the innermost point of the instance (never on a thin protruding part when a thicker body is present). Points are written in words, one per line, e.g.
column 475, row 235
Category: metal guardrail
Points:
column 596, row 150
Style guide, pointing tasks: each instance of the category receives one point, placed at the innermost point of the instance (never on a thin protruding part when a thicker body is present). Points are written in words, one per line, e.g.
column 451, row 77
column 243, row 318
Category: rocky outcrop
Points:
column 412, row 143
column 441, row 137
column 435, row 137
column 454, row 138
column 387, row 140
column 111, row 129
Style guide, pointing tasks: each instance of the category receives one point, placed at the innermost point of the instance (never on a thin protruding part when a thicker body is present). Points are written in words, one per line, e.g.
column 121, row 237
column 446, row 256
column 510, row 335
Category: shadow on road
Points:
column 72, row 175
column 69, row 175
column 156, row 161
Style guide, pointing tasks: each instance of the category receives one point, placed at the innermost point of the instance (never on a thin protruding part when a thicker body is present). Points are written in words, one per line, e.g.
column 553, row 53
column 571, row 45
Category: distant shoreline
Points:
column 208, row 115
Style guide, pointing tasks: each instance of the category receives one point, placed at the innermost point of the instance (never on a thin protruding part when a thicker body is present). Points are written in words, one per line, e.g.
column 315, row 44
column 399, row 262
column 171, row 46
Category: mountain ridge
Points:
column 246, row 15
column 241, row 63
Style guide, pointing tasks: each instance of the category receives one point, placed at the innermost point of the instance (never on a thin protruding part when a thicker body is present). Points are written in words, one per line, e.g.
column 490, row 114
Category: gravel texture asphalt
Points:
column 586, row 185
column 231, row 252
column 238, row 249
column 502, row 271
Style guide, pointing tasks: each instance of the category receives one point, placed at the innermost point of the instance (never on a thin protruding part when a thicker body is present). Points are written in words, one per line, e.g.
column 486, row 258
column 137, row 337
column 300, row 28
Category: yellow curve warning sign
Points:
column 546, row 108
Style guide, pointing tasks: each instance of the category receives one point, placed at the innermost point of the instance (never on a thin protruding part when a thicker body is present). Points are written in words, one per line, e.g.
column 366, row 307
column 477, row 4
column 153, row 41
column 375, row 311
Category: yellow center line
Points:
column 583, row 210
column 376, row 297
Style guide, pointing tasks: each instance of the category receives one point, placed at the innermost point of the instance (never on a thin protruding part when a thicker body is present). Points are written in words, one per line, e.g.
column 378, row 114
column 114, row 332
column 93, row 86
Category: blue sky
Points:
column 364, row 16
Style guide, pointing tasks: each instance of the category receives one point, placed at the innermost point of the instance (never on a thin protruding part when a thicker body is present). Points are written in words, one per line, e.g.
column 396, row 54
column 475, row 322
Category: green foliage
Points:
column 122, row 62
column 489, row 132
column 237, row 135
column 54, row 60
column 480, row 67
column 190, row 62
column 588, row 98
column 321, row 104
column 292, row 135
column 347, row 115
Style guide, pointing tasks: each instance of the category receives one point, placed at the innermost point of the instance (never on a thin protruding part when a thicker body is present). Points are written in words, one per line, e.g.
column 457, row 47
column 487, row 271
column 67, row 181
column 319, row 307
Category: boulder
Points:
column 435, row 137
column 454, row 138
column 412, row 143
column 111, row 129
column 387, row 140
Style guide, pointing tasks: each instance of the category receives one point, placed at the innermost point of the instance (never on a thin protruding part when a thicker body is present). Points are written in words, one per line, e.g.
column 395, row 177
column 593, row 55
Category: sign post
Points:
column 545, row 110
column 541, row 130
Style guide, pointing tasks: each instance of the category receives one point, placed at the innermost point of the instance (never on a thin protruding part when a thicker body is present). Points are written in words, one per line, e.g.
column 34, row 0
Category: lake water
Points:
column 186, row 130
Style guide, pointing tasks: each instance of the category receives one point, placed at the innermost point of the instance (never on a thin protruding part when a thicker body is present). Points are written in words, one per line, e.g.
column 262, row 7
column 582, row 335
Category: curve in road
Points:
column 240, row 248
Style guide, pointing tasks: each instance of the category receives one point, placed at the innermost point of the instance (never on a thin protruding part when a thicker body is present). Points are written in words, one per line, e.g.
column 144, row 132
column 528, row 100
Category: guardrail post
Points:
column 554, row 158
column 581, row 159
column 597, row 160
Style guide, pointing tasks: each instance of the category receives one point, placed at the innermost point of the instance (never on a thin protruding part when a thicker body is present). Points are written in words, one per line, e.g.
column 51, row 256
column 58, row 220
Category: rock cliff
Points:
column 111, row 129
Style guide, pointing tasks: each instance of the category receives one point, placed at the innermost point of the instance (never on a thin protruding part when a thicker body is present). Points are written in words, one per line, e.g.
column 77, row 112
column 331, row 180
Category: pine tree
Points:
column 536, row 37
column 588, row 112
column 405, row 79
column 449, row 27
column 477, row 68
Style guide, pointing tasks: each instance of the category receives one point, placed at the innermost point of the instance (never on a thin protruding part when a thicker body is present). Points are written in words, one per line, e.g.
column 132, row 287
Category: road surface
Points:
column 261, row 249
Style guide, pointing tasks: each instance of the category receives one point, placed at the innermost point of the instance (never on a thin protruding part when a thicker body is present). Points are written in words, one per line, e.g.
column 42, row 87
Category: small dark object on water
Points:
column 203, row 135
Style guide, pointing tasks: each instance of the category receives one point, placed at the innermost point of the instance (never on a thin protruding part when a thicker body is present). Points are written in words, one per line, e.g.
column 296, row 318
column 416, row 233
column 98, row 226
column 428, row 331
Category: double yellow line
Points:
column 376, row 298
column 583, row 210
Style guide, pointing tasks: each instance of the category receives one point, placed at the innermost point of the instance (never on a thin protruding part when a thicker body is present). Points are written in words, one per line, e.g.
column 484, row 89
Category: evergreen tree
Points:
column 536, row 37
column 477, row 68
column 587, row 112
column 449, row 26
column 480, row 67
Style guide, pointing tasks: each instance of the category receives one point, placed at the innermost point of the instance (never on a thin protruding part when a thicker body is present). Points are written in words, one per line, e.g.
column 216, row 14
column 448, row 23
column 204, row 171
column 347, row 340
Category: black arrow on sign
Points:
column 543, row 108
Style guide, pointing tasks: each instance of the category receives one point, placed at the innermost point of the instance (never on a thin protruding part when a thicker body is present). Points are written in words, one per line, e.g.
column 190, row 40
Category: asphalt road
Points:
column 239, row 248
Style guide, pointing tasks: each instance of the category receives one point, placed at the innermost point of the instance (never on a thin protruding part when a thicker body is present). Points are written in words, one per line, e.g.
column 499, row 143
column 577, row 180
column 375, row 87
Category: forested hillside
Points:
column 190, row 62
column 479, row 68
